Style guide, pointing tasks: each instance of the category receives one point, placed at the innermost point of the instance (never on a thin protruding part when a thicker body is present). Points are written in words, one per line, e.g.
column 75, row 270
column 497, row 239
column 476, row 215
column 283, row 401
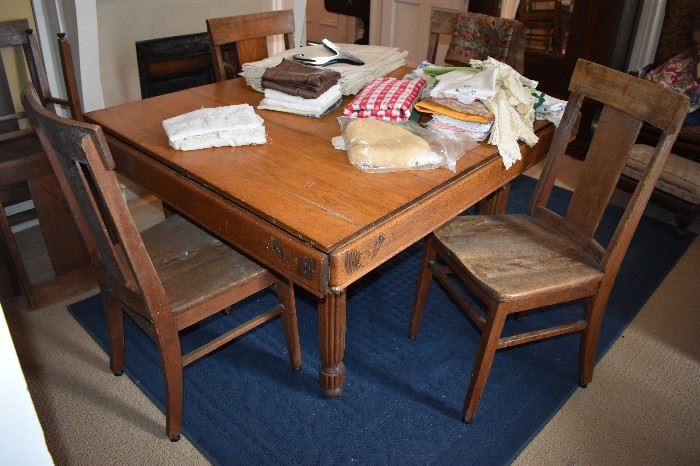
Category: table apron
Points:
column 261, row 240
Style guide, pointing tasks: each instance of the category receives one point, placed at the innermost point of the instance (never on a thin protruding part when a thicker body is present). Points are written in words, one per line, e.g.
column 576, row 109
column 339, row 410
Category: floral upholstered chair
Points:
column 478, row 36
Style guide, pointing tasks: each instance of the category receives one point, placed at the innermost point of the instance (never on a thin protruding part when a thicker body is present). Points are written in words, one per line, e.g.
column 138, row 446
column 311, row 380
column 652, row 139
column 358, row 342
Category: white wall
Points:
column 81, row 25
column 21, row 438
column 120, row 23
column 648, row 31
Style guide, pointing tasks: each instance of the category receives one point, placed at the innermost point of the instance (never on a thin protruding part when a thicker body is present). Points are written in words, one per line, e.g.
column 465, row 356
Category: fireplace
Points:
column 174, row 63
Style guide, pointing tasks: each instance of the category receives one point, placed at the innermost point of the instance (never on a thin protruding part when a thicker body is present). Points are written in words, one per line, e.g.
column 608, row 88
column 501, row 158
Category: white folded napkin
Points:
column 233, row 125
column 279, row 101
column 466, row 86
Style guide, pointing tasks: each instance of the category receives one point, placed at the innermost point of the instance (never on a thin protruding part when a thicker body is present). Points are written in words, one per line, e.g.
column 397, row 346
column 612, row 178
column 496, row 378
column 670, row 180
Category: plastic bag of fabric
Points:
column 383, row 146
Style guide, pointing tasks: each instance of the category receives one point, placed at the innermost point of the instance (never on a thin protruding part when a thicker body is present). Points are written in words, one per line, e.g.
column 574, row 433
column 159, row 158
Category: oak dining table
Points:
column 295, row 204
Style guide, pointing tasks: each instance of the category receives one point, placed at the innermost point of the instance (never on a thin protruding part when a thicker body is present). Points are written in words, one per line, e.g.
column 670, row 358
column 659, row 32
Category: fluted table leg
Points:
column 331, row 337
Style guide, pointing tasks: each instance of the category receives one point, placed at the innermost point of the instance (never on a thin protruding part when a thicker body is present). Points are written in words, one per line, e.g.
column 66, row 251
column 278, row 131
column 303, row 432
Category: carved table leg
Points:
column 496, row 202
column 331, row 340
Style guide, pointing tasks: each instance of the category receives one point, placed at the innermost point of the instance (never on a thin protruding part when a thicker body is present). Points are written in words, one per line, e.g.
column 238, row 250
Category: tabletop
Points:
column 298, row 183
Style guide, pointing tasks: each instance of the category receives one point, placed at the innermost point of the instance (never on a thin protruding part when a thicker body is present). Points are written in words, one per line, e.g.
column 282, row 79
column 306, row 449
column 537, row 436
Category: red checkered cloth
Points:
column 386, row 98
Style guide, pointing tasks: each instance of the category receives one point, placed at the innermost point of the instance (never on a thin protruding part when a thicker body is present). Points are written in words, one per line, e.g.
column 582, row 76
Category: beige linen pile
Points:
column 512, row 107
column 376, row 145
column 379, row 61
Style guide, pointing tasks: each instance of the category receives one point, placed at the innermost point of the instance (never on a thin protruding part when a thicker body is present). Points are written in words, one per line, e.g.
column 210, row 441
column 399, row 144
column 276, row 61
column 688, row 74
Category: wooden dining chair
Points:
column 248, row 34
column 477, row 36
column 25, row 173
column 168, row 278
column 514, row 263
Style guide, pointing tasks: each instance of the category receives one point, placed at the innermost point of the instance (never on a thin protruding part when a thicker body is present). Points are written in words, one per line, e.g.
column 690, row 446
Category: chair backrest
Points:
column 441, row 22
column 80, row 153
column 17, row 35
column 249, row 33
column 627, row 103
column 72, row 95
column 478, row 36
column 542, row 21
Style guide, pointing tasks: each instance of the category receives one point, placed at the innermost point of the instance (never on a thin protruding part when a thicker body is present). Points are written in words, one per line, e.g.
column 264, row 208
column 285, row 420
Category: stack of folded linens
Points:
column 473, row 118
column 379, row 61
column 457, row 102
column 299, row 80
column 296, row 88
column 233, row 125
column 386, row 98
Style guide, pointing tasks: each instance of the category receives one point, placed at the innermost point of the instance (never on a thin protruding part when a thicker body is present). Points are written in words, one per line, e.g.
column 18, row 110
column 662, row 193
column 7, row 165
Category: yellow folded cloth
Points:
column 475, row 112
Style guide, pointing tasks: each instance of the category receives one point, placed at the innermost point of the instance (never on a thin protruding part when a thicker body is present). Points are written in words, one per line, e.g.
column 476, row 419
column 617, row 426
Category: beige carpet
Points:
column 643, row 406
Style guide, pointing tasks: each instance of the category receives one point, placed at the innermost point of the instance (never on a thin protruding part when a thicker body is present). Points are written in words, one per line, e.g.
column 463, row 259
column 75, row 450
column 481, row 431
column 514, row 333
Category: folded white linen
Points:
column 287, row 108
column 379, row 61
column 479, row 131
column 276, row 100
column 465, row 86
column 233, row 125
column 221, row 139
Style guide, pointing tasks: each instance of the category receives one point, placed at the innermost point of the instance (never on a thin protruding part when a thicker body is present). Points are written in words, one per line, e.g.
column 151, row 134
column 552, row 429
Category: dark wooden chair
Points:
column 484, row 36
column 249, row 33
column 441, row 23
column 542, row 21
column 167, row 278
column 514, row 263
column 25, row 173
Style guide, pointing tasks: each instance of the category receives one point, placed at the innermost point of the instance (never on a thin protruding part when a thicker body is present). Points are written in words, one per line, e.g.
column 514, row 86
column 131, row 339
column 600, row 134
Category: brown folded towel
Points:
column 298, row 79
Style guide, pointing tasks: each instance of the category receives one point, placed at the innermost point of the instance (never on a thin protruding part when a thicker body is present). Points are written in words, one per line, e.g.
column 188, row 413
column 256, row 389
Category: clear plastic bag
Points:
column 383, row 146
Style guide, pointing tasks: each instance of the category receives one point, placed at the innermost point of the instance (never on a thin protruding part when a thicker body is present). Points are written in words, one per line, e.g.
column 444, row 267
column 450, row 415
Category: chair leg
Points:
column 21, row 275
column 285, row 293
column 495, row 203
column 425, row 278
column 595, row 306
column 115, row 323
column 483, row 360
column 683, row 221
column 171, row 359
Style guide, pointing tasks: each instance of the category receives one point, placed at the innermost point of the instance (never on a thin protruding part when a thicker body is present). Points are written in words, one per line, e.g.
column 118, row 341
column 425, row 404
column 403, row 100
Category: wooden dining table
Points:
column 295, row 204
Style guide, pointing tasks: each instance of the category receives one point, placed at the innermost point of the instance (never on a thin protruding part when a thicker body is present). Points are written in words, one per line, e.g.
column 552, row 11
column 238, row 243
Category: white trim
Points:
column 299, row 8
column 82, row 32
column 22, row 440
column 78, row 19
column 509, row 8
column 647, row 37
column 46, row 20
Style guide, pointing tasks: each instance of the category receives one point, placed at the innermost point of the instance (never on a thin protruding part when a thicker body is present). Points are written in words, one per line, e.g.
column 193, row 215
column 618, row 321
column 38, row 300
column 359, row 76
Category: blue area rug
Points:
column 402, row 399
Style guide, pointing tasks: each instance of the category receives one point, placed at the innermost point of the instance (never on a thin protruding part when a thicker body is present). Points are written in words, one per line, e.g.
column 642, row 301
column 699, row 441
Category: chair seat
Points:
column 192, row 264
column 680, row 176
column 514, row 257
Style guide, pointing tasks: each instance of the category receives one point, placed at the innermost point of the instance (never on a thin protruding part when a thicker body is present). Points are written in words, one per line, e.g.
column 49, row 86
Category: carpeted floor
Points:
column 402, row 398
